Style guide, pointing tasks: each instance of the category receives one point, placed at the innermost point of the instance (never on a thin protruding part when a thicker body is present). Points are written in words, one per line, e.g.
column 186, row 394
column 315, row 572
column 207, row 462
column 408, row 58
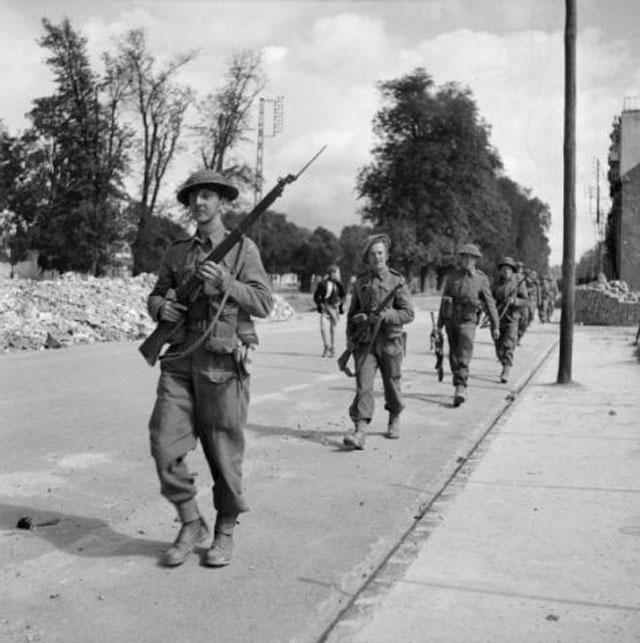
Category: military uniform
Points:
column 368, row 292
column 465, row 295
column 546, row 302
column 533, row 292
column 203, row 394
column 511, row 299
column 329, row 299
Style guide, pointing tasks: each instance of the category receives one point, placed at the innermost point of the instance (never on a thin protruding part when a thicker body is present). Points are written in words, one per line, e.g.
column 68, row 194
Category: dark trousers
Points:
column 506, row 344
column 461, row 338
column 386, row 355
column 201, row 397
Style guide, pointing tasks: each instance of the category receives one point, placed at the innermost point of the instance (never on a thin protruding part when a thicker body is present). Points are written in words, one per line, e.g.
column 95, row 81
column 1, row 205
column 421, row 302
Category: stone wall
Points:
column 608, row 304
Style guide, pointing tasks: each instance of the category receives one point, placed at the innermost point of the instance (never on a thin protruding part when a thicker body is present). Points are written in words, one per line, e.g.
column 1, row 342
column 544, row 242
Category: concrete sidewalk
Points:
column 538, row 540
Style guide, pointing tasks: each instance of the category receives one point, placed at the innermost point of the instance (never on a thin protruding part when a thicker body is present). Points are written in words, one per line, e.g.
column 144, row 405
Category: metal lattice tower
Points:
column 277, row 127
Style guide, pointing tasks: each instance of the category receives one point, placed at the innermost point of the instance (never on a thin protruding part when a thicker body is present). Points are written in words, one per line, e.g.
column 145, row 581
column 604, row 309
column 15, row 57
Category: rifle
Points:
column 165, row 330
column 514, row 292
column 344, row 358
column 437, row 345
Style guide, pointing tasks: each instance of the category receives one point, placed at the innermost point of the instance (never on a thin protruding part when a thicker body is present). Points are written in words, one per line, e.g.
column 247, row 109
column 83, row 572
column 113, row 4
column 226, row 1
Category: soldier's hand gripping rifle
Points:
column 437, row 345
column 165, row 330
column 507, row 304
column 367, row 333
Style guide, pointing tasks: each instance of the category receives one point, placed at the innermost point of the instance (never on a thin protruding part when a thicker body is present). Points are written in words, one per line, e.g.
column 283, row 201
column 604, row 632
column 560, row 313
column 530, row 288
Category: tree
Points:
column 160, row 104
column 225, row 115
column 433, row 175
column 530, row 222
column 73, row 156
column 315, row 255
column 612, row 230
column 352, row 240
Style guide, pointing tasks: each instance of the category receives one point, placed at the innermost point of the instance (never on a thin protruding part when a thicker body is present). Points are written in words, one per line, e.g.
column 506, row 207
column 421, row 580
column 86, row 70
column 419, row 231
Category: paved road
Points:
column 322, row 519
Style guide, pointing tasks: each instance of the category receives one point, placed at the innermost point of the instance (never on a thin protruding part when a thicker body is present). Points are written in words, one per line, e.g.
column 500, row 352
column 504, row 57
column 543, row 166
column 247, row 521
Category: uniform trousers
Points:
column 201, row 397
column 506, row 344
column 387, row 355
column 461, row 337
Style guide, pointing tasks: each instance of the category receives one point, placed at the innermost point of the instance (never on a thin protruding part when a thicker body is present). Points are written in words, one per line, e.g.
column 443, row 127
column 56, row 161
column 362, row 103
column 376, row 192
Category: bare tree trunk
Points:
column 569, row 206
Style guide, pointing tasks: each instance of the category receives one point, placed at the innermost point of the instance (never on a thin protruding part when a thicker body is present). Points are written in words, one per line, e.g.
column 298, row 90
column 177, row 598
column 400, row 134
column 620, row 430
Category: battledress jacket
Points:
column 470, row 294
column 369, row 290
column 506, row 289
column 249, row 292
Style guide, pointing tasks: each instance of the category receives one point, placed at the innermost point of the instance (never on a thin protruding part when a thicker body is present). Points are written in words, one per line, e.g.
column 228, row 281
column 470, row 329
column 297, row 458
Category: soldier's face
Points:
column 204, row 204
column 468, row 262
column 377, row 256
column 506, row 271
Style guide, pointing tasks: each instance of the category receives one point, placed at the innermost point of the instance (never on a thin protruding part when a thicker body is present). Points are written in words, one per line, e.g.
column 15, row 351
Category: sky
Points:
column 326, row 58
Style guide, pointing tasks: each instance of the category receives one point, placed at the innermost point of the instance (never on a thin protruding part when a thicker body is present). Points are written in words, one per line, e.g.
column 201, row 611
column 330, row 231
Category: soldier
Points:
column 523, row 321
column 510, row 294
column 546, row 300
column 203, row 391
column 376, row 340
column 329, row 300
column 551, row 297
column 533, row 292
column 466, row 293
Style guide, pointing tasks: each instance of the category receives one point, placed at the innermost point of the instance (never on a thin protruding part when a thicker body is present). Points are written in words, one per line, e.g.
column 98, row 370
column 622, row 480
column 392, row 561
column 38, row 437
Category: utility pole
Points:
column 569, row 201
column 276, row 128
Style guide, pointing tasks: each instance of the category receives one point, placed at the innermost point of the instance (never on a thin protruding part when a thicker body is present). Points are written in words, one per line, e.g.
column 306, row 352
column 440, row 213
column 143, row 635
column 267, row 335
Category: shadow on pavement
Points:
column 77, row 535
column 326, row 438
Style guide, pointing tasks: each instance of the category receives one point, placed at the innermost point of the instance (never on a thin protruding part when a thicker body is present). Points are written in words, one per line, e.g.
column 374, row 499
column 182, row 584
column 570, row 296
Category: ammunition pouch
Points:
column 446, row 308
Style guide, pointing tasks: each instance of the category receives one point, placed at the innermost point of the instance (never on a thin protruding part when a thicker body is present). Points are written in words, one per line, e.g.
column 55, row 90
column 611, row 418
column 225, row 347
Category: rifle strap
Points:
column 195, row 345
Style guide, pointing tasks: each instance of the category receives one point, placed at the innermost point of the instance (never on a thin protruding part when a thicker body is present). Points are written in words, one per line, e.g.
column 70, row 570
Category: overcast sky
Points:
column 325, row 59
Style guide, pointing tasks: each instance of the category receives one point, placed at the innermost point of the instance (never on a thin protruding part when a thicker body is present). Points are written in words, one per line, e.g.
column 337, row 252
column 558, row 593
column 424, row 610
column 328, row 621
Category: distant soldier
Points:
column 546, row 301
column 376, row 340
column 523, row 320
column 465, row 295
column 552, row 296
column 533, row 291
column 511, row 298
column 329, row 300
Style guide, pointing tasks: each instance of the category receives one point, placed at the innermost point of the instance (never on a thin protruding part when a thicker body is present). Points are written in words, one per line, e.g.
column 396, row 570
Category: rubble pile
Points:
column 609, row 303
column 77, row 309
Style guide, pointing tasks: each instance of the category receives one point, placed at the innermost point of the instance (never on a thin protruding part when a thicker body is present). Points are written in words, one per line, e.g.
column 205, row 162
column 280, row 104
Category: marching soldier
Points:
column 546, row 303
column 533, row 292
column 203, row 390
column 377, row 339
column 329, row 299
column 466, row 293
column 511, row 298
column 523, row 321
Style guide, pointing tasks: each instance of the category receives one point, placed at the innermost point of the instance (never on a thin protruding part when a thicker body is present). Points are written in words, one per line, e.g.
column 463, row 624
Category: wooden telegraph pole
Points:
column 569, row 201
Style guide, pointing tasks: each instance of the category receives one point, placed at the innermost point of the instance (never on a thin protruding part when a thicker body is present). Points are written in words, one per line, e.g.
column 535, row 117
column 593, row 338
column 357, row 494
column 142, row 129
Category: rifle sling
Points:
column 189, row 350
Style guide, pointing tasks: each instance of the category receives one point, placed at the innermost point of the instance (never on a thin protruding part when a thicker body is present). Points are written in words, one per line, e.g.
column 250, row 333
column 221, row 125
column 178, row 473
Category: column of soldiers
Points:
column 203, row 390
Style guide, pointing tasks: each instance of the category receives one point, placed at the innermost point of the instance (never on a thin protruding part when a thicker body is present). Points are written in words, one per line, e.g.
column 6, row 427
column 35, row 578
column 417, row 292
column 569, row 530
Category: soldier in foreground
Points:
column 375, row 338
column 510, row 294
column 203, row 391
column 465, row 295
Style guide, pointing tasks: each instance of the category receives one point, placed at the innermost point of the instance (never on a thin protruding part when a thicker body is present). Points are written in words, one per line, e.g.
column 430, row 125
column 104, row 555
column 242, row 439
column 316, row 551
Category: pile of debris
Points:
column 614, row 288
column 77, row 309
column 608, row 303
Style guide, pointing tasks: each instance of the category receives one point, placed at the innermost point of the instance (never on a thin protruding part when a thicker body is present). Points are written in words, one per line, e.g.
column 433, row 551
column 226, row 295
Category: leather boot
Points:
column 504, row 377
column 459, row 395
column 355, row 439
column 393, row 429
column 190, row 534
column 221, row 551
